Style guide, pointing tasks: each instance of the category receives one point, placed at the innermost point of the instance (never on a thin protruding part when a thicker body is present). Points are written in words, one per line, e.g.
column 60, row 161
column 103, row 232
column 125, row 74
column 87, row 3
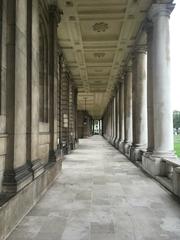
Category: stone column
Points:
column 17, row 171
column 128, row 111
column 117, row 118
column 121, row 120
column 150, row 113
column 163, row 118
column 111, row 120
column 114, row 120
column 54, row 19
column 139, row 103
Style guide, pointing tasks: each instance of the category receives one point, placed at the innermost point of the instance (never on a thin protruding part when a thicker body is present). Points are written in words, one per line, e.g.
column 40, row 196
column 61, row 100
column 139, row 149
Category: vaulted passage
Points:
column 100, row 195
column 69, row 70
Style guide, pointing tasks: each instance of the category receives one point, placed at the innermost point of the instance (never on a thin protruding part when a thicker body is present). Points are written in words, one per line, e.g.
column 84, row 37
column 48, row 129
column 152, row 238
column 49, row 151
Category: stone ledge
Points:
column 19, row 205
column 173, row 162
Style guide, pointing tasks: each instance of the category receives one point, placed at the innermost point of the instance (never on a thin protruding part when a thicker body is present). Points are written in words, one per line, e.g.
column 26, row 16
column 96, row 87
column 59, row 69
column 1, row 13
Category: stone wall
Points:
column 37, row 105
column 3, row 70
column 84, row 124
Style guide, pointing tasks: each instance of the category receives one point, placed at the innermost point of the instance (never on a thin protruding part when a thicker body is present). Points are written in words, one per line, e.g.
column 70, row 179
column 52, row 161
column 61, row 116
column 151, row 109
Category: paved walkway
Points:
column 100, row 195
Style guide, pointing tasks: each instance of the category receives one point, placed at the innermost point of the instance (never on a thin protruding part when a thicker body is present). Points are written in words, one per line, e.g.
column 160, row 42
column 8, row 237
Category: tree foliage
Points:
column 176, row 119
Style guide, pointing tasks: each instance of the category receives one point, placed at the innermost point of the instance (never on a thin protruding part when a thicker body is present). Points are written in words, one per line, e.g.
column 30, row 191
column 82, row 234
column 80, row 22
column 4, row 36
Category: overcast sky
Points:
column 175, row 55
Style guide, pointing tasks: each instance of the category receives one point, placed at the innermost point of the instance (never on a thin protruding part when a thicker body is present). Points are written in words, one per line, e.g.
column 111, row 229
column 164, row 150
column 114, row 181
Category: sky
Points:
column 175, row 55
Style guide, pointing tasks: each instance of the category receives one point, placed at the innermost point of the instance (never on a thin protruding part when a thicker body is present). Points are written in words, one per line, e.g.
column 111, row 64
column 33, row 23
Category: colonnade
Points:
column 141, row 104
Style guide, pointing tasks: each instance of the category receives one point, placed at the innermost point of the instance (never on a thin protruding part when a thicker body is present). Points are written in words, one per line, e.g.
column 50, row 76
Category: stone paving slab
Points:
column 100, row 195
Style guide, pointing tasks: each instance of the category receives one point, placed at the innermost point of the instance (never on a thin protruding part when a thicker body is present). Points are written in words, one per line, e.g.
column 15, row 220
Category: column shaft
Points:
column 163, row 118
column 128, row 106
column 150, row 116
column 121, row 120
column 139, row 99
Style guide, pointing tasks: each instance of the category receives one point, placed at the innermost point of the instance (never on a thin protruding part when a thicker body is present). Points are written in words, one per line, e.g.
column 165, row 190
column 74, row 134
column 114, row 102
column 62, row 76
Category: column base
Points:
column 114, row 141
column 76, row 143
column 116, row 144
column 136, row 152
column 151, row 165
column 127, row 147
column 15, row 180
column 152, row 162
column 111, row 140
column 37, row 168
column 55, row 156
column 65, row 148
column 121, row 146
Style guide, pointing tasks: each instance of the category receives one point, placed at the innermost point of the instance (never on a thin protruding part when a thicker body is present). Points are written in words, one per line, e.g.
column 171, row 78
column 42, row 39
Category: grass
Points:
column 177, row 144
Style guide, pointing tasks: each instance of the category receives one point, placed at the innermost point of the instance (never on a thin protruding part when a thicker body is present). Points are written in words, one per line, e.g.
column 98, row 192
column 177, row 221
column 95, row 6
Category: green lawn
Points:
column 177, row 144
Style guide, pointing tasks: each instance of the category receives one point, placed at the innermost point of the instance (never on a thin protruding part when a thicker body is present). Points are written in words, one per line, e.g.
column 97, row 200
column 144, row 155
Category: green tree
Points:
column 176, row 119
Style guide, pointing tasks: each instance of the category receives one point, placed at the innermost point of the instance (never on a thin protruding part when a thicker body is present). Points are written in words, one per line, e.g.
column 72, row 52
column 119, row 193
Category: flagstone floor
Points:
column 100, row 195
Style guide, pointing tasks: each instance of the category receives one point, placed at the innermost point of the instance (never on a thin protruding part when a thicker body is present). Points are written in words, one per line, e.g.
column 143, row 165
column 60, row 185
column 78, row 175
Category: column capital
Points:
column 140, row 49
column 56, row 13
column 129, row 68
column 160, row 9
column 148, row 27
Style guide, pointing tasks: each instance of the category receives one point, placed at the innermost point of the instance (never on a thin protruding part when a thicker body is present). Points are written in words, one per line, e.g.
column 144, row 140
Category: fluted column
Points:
column 128, row 110
column 163, row 118
column 139, row 102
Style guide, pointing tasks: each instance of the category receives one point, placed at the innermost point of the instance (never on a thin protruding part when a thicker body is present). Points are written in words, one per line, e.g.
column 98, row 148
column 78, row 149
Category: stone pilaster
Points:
column 17, row 171
column 65, row 109
column 54, row 19
column 128, row 111
column 121, row 119
column 139, row 65
column 75, row 116
column 33, row 89
column 71, row 116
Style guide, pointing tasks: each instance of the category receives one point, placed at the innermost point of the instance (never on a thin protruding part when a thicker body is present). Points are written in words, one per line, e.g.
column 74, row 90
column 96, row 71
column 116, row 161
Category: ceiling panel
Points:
column 96, row 37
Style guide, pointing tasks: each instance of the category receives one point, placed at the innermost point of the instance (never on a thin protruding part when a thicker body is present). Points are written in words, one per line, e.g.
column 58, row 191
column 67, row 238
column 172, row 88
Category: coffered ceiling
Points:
column 96, row 37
